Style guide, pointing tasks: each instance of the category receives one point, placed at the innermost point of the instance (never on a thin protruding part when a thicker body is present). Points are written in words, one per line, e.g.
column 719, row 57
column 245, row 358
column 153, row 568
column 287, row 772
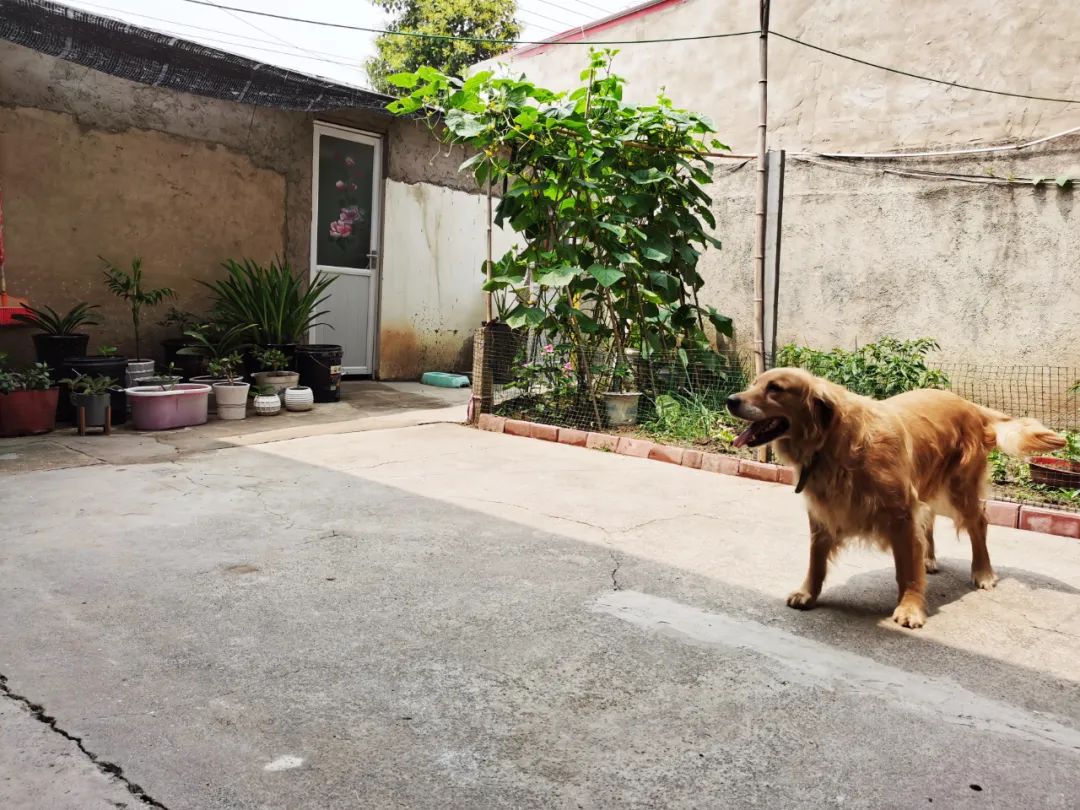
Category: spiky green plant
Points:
column 129, row 288
column 51, row 322
column 282, row 307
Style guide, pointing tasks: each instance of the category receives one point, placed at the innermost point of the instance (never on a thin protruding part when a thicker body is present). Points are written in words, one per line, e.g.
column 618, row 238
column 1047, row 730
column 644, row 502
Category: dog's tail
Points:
column 1019, row 436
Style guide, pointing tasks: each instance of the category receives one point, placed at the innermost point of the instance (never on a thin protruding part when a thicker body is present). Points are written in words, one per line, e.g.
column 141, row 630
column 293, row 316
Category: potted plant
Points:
column 299, row 398
column 621, row 406
column 59, row 336
column 93, row 394
column 1061, row 470
column 27, row 401
column 166, row 379
column 105, row 363
column 189, row 365
column 267, row 401
column 232, row 394
column 275, row 373
column 128, row 287
column 210, row 342
column 279, row 304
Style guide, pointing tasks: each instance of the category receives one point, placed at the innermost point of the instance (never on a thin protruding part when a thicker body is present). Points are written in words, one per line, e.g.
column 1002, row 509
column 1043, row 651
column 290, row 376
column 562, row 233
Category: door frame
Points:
column 374, row 270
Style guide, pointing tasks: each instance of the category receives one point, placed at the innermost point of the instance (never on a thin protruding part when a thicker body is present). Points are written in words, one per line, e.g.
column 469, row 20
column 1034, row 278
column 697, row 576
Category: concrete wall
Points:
column 91, row 164
column 431, row 301
column 988, row 270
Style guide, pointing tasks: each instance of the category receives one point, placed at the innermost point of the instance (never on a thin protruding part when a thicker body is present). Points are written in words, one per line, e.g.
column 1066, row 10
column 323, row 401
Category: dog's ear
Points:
column 823, row 410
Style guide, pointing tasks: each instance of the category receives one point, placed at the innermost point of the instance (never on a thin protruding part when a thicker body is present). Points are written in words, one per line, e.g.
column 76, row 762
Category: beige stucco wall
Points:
column 988, row 270
column 430, row 298
column 818, row 101
column 72, row 195
column 94, row 165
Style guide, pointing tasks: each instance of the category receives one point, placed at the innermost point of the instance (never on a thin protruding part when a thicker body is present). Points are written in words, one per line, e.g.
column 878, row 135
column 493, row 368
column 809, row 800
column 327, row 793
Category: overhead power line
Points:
column 920, row 76
column 794, row 40
column 494, row 40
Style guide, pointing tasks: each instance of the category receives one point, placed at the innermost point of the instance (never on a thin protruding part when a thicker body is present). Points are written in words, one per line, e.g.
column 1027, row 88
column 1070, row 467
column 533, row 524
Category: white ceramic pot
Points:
column 281, row 380
column 137, row 371
column 231, row 399
column 206, row 379
column 621, row 407
column 299, row 398
column 267, row 404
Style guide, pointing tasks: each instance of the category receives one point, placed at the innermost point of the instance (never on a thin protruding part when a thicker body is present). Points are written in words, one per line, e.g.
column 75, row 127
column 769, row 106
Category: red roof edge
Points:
column 603, row 24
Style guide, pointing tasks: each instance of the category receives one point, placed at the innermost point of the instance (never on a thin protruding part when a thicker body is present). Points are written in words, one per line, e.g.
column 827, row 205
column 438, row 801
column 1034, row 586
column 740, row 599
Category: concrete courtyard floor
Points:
column 431, row 616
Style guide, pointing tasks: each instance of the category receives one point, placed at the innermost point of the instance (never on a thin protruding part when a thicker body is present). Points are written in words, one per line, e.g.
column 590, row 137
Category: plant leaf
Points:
column 606, row 276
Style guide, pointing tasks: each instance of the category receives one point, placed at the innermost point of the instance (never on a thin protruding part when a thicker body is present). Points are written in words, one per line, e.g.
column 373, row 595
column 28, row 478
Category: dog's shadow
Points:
column 873, row 593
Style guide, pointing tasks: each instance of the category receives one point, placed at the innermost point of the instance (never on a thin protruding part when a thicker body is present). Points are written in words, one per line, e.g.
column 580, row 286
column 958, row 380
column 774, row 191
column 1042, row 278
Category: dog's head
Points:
column 785, row 404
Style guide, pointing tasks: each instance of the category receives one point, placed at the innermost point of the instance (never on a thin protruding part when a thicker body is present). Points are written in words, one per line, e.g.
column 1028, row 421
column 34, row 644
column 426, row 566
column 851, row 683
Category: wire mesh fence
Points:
column 678, row 397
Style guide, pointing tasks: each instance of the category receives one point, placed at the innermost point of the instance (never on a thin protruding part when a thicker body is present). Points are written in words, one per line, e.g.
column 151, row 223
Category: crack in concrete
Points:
column 615, row 586
column 110, row 769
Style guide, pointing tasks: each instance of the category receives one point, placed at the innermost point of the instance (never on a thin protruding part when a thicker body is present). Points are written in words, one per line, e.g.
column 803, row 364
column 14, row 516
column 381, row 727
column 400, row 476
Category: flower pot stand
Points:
column 106, row 429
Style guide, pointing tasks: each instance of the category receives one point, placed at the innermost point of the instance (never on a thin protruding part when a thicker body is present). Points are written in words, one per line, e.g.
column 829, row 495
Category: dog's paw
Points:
column 931, row 565
column 984, row 580
column 912, row 616
column 801, row 600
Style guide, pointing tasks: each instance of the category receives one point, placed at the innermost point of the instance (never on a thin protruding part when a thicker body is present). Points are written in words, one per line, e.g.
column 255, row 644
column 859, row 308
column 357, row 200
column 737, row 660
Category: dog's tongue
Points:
column 744, row 437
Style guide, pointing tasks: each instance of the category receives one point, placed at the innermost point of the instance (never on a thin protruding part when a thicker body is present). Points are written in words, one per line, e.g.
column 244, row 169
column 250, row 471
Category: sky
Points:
column 328, row 52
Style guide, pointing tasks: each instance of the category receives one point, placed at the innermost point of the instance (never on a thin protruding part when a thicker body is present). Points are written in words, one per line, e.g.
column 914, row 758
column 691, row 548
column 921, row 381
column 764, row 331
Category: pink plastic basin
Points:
column 182, row 405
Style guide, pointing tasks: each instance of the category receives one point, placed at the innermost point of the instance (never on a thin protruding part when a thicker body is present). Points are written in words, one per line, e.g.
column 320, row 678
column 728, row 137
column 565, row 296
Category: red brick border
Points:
column 998, row 513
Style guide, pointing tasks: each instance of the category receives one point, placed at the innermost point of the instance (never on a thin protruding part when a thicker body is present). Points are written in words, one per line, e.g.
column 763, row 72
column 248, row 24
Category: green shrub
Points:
column 879, row 370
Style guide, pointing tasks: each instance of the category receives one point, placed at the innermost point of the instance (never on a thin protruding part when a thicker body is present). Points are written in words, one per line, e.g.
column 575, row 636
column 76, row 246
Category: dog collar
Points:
column 804, row 474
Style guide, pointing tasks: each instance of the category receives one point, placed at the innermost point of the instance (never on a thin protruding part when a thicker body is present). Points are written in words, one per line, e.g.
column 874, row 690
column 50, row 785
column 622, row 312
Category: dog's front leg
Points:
column 909, row 553
column 821, row 546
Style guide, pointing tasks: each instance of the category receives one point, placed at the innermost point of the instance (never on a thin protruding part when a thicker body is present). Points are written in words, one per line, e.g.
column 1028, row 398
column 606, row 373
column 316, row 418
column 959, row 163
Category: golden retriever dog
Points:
column 880, row 471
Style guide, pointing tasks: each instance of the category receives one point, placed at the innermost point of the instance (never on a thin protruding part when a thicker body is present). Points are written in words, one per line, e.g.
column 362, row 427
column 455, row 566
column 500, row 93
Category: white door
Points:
column 345, row 227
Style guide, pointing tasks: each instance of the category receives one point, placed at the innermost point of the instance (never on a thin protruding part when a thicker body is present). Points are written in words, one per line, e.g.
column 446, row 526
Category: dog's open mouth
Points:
column 762, row 432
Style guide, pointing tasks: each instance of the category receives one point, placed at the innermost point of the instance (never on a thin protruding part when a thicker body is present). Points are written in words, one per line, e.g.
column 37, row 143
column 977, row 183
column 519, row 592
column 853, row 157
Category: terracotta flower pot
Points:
column 1056, row 472
column 26, row 413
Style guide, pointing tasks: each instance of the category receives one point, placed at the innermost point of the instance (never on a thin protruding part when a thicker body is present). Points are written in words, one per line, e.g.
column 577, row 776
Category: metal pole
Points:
column 759, row 211
column 487, row 294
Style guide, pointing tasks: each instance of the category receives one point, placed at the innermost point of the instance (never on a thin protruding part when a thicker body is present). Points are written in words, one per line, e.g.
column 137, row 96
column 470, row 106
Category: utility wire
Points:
column 494, row 40
column 920, row 76
column 794, row 40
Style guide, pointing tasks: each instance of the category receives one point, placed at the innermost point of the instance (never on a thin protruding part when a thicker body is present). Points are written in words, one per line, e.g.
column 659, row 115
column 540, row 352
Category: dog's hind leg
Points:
column 822, row 544
column 974, row 523
column 968, row 515
column 928, row 533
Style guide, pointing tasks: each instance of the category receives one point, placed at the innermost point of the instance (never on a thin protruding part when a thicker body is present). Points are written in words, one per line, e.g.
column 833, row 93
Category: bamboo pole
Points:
column 759, row 210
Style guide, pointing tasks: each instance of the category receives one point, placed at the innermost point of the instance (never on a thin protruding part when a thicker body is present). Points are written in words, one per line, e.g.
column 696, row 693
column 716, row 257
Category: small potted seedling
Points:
column 621, row 406
column 128, row 287
column 210, row 342
column 27, row 401
column 181, row 321
column 275, row 371
column 92, row 393
column 232, row 394
column 266, row 402
column 166, row 380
